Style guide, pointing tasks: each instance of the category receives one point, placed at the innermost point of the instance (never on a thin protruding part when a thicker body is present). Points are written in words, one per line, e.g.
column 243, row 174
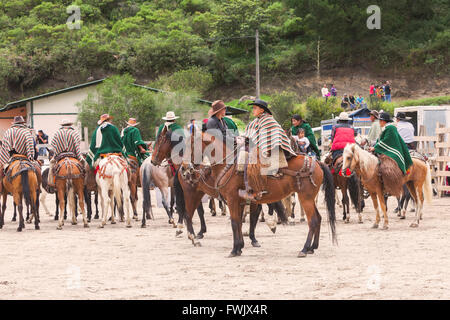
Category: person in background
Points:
column 192, row 126
column 333, row 91
column 375, row 129
column 342, row 134
column 42, row 138
column 302, row 141
column 360, row 102
column 351, row 98
column 379, row 92
column 406, row 130
column 387, row 91
column 325, row 92
column 372, row 92
column 299, row 123
column 345, row 103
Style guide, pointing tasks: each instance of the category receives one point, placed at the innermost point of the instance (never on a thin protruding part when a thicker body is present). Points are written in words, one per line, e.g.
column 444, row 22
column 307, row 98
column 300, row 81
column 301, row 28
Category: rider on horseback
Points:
column 17, row 140
column 105, row 139
column 134, row 145
column 65, row 140
column 342, row 134
column 299, row 123
column 269, row 139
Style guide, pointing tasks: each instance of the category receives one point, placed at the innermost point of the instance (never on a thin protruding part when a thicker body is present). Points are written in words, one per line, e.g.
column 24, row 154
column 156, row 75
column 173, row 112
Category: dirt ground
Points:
column 151, row 263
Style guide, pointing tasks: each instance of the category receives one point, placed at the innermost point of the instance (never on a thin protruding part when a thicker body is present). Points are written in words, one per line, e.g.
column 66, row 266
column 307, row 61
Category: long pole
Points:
column 257, row 64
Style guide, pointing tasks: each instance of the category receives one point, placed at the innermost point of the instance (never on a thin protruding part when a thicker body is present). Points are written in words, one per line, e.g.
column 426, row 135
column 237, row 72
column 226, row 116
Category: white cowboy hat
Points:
column 66, row 122
column 170, row 115
column 343, row 116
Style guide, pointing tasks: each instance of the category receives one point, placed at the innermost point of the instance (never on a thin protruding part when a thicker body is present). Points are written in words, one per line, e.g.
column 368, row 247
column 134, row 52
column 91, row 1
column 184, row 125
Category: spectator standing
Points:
column 387, row 91
column 333, row 91
column 41, row 138
column 325, row 92
column 345, row 103
column 372, row 92
column 351, row 98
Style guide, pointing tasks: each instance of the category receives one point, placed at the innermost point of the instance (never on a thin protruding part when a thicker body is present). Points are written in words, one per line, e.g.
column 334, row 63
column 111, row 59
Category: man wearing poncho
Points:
column 105, row 139
column 135, row 147
column 268, row 139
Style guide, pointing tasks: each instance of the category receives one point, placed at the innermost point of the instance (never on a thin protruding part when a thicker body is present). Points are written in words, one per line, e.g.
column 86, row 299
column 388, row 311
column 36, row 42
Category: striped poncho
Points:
column 67, row 139
column 267, row 134
column 19, row 139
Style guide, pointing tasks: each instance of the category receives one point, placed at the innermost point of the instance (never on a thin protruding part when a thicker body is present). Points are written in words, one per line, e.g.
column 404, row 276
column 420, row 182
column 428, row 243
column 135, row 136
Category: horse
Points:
column 212, row 207
column 162, row 178
column 133, row 183
column 304, row 175
column 351, row 183
column 366, row 166
column 21, row 181
column 112, row 175
column 69, row 179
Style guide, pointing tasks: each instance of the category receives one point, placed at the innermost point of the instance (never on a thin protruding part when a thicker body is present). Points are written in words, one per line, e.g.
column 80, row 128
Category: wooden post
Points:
column 257, row 64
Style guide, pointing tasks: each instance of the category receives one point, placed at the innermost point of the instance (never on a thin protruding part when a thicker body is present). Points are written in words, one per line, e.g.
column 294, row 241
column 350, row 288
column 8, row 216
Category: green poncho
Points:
column 308, row 134
column 393, row 146
column 108, row 142
column 231, row 125
column 173, row 127
column 131, row 140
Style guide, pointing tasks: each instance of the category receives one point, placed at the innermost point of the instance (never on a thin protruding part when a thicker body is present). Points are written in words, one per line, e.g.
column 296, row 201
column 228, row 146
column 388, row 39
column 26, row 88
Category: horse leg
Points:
column 18, row 201
column 172, row 203
column 255, row 210
column 87, row 199
column 2, row 212
column 65, row 206
column 113, row 205
column 377, row 210
column 133, row 198
column 318, row 219
column 415, row 195
column 71, row 201
column 236, row 224
column 57, row 206
column 383, row 202
column 261, row 219
column 346, row 204
column 223, row 207
column 201, row 215
column 60, row 193
column 212, row 206
column 126, row 199
column 104, row 197
column 165, row 196
column 79, row 186
column 96, row 204
column 310, row 209
column 14, row 218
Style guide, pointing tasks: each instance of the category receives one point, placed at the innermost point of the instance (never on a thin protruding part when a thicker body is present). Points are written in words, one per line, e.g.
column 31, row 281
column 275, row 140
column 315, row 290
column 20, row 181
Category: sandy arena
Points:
column 120, row 263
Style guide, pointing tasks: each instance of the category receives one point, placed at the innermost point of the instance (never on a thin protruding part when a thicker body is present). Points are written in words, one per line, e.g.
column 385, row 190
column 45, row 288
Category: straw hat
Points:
column 170, row 115
column 103, row 118
column 18, row 119
column 66, row 122
column 132, row 122
column 343, row 116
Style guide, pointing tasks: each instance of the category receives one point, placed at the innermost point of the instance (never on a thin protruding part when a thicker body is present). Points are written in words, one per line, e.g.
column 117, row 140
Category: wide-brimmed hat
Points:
column 132, row 122
column 18, row 119
column 216, row 106
column 170, row 115
column 103, row 118
column 375, row 114
column 66, row 122
column 402, row 116
column 384, row 116
column 343, row 116
column 262, row 104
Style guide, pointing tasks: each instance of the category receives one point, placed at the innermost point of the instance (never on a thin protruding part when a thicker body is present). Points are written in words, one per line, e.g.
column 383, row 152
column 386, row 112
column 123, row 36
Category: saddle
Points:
column 22, row 163
column 67, row 160
column 119, row 161
column 417, row 155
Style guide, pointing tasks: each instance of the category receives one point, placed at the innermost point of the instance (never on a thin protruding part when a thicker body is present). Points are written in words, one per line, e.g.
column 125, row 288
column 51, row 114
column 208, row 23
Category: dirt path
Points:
column 151, row 263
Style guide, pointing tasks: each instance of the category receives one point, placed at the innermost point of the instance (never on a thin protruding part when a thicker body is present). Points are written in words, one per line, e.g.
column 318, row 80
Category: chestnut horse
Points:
column 69, row 179
column 133, row 183
column 366, row 167
column 221, row 179
column 22, row 182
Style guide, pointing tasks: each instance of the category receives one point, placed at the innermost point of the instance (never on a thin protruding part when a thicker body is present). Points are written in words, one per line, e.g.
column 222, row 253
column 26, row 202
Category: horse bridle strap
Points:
column 307, row 170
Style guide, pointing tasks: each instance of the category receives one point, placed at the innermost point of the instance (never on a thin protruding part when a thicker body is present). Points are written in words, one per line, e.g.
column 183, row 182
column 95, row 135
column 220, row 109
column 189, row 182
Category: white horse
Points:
column 112, row 176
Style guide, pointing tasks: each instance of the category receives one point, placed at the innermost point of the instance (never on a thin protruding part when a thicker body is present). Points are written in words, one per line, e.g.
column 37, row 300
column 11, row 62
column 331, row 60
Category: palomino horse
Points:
column 69, row 179
column 366, row 167
column 21, row 181
column 162, row 178
column 351, row 183
column 112, row 175
column 221, row 179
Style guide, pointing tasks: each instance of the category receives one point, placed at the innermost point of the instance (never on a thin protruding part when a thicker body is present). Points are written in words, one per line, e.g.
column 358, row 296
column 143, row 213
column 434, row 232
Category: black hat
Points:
column 384, row 116
column 402, row 116
column 262, row 104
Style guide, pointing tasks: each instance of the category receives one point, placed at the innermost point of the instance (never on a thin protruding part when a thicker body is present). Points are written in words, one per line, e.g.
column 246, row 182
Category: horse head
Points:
column 350, row 157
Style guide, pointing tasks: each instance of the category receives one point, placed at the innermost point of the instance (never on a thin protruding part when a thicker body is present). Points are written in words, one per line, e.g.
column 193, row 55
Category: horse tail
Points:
column 427, row 187
column 330, row 199
column 26, row 187
column 117, row 190
column 146, row 173
column 179, row 196
column 354, row 190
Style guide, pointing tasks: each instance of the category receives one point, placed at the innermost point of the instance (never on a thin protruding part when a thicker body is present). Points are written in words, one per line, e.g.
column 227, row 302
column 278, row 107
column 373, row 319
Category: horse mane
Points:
column 367, row 161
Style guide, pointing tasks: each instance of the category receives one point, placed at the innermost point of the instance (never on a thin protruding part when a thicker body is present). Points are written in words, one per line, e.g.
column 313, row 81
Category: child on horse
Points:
column 297, row 123
column 65, row 140
column 17, row 140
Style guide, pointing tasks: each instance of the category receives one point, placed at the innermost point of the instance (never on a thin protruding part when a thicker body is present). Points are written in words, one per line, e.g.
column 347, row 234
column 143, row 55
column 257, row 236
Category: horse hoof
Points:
column 302, row 220
column 37, row 228
column 273, row 229
column 74, row 223
column 414, row 225
column 375, row 226
column 385, row 227
column 224, row 213
column 310, row 251
column 148, row 217
column 399, row 214
column 396, row 210
column 360, row 222
column 197, row 244
column 178, row 232
column 113, row 222
column 213, row 214
column 101, row 226
column 86, row 225
column 301, row 254
column 28, row 221
column 402, row 217
column 347, row 221
column 13, row 219
column 19, row 229
column 199, row 236
column 245, row 234
column 292, row 223
column 128, row 225
column 232, row 255
column 256, row 244
column 59, row 228
column 262, row 220
column 143, row 226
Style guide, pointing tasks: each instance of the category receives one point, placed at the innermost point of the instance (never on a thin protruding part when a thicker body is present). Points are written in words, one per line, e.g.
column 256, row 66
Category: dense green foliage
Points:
column 159, row 37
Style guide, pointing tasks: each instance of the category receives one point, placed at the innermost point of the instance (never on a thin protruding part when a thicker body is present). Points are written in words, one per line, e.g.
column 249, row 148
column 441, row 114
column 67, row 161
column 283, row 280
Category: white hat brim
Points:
column 164, row 118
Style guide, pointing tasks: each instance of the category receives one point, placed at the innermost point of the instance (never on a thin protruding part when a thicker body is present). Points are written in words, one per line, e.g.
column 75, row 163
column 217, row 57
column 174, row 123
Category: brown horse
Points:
column 366, row 166
column 352, row 184
column 133, row 183
column 221, row 179
column 22, row 182
column 69, row 178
